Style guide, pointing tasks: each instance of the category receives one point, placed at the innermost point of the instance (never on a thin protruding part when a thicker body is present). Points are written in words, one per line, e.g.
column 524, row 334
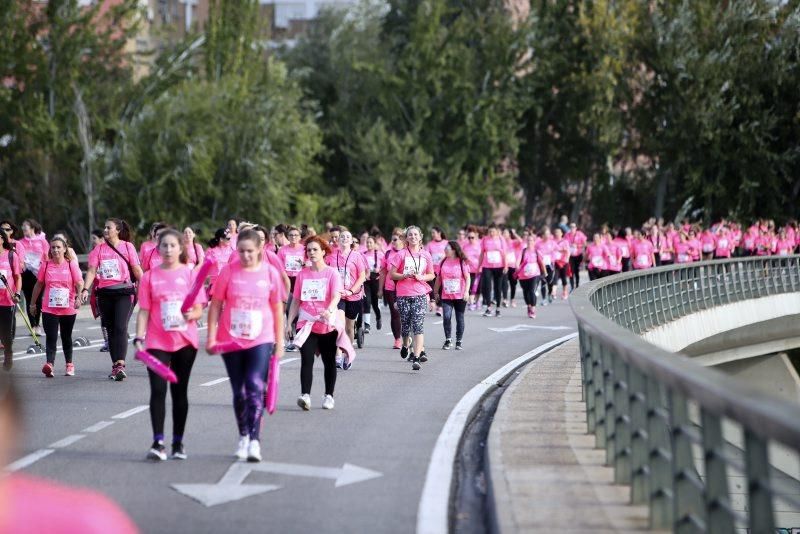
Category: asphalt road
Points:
column 386, row 421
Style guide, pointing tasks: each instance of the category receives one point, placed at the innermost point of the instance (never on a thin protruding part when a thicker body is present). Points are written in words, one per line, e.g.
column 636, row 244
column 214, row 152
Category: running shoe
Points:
column 38, row 330
column 178, row 451
column 533, row 313
column 346, row 364
column 513, row 304
column 550, row 298
column 47, row 369
column 304, row 401
column 241, row 449
column 397, row 344
column 458, row 345
column 447, row 344
column 422, row 357
column 404, row 352
column 328, row 403
column 497, row 312
column 291, row 347
column 254, row 451
column 339, row 360
column 366, row 328
column 378, row 323
column 438, row 312
column 118, row 372
column 488, row 312
column 157, row 451
column 70, row 370
column 415, row 366
column 505, row 304
column 104, row 348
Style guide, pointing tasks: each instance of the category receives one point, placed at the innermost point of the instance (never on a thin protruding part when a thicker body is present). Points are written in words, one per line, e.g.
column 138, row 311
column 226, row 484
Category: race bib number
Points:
column 531, row 269
column 666, row 256
column 783, row 252
column 748, row 243
column 5, row 275
column 625, row 252
column 246, row 324
column 109, row 270
column 573, row 250
column 642, row 260
column 683, row 258
column 58, row 297
column 547, row 259
column 409, row 267
column 293, row 264
column 597, row 261
column 314, row 290
column 452, row 286
column 723, row 243
column 33, row 261
column 345, row 274
column 171, row 317
column 372, row 264
column 708, row 247
column 494, row 257
column 511, row 258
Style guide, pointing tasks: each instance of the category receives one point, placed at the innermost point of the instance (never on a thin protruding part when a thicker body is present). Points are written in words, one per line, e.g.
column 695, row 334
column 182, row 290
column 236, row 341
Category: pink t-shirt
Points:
column 151, row 259
column 613, row 255
column 494, row 252
column 596, row 257
column 561, row 252
column 749, row 240
column 68, row 510
column 547, row 251
column 683, row 253
column 349, row 266
column 472, row 250
column 407, row 262
column 784, row 247
column 58, row 293
column 528, row 264
column 145, row 249
column 376, row 261
column 389, row 284
column 577, row 242
column 9, row 271
column 111, row 268
column 220, row 256
column 292, row 259
column 34, row 252
column 248, row 297
column 695, row 248
column 643, row 254
column 454, row 274
column 724, row 246
column 162, row 293
column 623, row 245
column 314, row 290
column 666, row 250
column 708, row 242
column 195, row 254
column 513, row 249
column 436, row 250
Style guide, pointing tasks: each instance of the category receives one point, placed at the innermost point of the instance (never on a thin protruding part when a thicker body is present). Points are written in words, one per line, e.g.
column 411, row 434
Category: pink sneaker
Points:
column 397, row 344
column 565, row 296
column 47, row 369
column 70, row 370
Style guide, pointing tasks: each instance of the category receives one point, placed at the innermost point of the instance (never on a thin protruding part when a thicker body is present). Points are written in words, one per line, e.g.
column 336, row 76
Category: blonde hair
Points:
column 67, row 255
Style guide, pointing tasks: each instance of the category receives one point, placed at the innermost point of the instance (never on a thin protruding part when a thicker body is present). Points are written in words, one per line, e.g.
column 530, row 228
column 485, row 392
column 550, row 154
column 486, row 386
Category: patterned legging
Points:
column 412, row 314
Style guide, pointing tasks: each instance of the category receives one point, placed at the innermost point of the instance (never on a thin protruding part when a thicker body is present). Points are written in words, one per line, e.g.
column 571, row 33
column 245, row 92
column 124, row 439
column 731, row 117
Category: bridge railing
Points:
column 651, row 410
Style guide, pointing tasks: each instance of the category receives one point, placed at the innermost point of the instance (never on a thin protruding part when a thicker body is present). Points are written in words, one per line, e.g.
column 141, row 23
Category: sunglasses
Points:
column 6, row 229
column 471, row 237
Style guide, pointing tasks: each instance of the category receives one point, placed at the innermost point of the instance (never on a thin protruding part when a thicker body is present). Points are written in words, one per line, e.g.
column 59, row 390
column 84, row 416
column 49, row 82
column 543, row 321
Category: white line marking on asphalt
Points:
column 434, row 505
column 438, row 322
column 97, row 427
column 518, row 327
column 66, row 442
column 32, row 458
column 93, row 345
column 93, row 327
column 132, row 411
column 215, row 382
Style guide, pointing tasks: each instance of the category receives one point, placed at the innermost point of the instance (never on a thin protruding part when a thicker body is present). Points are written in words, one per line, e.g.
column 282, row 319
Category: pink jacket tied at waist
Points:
column 342, row 341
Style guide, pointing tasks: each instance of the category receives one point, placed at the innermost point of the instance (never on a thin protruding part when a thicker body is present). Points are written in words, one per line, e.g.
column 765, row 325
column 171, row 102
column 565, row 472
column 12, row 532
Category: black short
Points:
column 351, row 308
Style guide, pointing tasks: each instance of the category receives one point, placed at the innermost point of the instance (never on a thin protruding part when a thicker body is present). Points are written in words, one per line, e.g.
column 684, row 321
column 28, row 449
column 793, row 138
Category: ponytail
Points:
column 123, row 228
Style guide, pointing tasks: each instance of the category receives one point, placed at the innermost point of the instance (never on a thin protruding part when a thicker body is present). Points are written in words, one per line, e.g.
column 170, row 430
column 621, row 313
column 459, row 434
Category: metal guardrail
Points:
column 638, row 396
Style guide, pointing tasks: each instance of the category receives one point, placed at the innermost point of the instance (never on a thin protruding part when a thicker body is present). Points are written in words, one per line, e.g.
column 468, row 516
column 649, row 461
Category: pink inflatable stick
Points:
column 157, row 366
column 272, row 384
column 199, row 280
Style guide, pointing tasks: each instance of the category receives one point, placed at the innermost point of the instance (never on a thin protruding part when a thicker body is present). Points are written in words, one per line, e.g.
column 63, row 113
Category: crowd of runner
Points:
column 286, row 288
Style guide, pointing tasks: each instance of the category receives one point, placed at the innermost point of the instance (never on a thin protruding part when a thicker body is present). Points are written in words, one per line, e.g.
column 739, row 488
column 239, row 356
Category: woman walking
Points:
column 453, row 282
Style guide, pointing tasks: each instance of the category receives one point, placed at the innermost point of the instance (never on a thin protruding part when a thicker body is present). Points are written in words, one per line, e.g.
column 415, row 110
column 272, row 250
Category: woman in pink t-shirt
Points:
column 219, row 251
column 148, row 251
column 376, row 268
column 34, row 252
column 10, row 287
column 596, row 258
column 389, row 287
column 59, row 283
column 546, row 248
column 350, row 265
column 708, row 244
column 493, row 266
column 411, row 270
column 623, row 245
column 529, row 273
column 577, row 245
column 514, row 245
column 115, row 265
column 643, row 252
column 246, row 311
column 452, row 288
column 195, row 255
column 317, row 292
column 724, row 244
column 783, row 245
column 170, row 335
column 472, row 250
column 561, row 262
column 683, row 251
column 435, row 248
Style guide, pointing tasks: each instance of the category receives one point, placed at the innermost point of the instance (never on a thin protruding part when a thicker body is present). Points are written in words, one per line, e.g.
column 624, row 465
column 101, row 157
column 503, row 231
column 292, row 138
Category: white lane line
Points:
column 214, row 382
column 92, row 345
column 93, row 328
column 284, row 361
column 434, row 505
column 32, row 458
column 438, row 322
column 97, row 427
column 66, row 442
column 132, row 411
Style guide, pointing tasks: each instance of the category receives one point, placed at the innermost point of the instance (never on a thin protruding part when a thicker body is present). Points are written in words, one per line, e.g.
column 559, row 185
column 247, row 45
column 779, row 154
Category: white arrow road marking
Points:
column 519, row 327
column 231, row 488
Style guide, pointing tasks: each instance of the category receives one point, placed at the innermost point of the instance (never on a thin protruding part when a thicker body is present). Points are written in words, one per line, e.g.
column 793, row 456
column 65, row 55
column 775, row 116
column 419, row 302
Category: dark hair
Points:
column 184, row 257
column 7, row 244
column 219, row 235
column 251, row 234
column 97, row 233
column 621, row 233
column 263, row 230
column 156, row 227
column 123, row 227
column 326, row 248
column 438, row 229
column 280, row 229
column 33, row 223
column 459, row 252
column 13, row 226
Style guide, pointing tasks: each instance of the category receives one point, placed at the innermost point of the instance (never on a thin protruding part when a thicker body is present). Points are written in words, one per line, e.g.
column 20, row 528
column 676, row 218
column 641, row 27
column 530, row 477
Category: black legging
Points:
column 529, row 290
column 548, row 281
column 448, row 305
column 371, row 289
column 561, row 274
column 391, row 300
column 626, row 265
column 52, row 324
column 594, row 274
column 115, row 311
column 6, row 329
column 326, row 345
column 491, row 278
column 28, row 281
column 509, row 281
column 181, row 362
column 575, row 275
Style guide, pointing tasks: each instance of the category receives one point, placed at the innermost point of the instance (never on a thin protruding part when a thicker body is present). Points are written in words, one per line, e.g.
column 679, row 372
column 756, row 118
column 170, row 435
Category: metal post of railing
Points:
column 608, row 398
column 759, row 495
column 640, row 469
column 599, row 400
column 687, row 488
column 660, row 457
column 622, row 419
column 719, row 515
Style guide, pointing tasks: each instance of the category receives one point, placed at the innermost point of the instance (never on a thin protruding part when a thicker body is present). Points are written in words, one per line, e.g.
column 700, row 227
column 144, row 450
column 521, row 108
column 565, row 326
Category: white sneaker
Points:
column 304, row 401
column 254, row 451
column 241, row 451
column 327, row 404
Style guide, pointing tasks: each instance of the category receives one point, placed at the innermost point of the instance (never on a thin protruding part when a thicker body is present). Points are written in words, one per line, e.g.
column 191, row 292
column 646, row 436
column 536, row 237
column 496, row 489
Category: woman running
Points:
column 546, row 247
column 513, row 247
column 596, row 258
column 10, row 286
column 724, row 244
column 376, row 264
column 390, row 288
column 493, row 266
column 317, row 291
column 195, row 256
column 529, row 272
column 412, row 269
column 35, row 248
column 246, row 311
column 292, row 258
column 561, row 262
column 453, row 282
column 115, row 265
column 169, row 335
column 577, row 245
column 59, row 283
